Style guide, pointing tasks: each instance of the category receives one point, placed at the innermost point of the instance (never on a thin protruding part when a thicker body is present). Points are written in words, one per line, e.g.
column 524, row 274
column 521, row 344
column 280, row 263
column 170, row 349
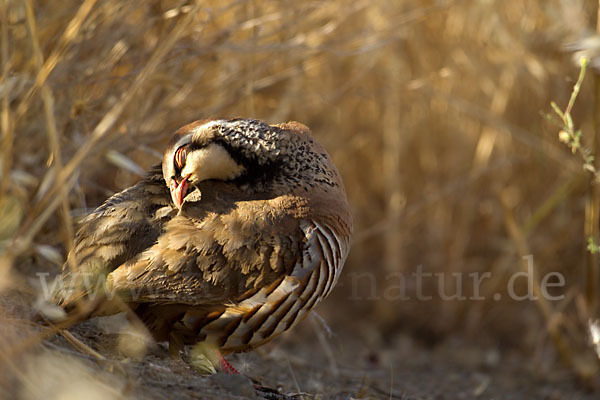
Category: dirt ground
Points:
column 306, row 363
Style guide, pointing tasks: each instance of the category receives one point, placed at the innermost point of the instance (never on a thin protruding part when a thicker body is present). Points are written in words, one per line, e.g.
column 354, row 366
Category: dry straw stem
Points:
column 8, row 125
column 5, row 118
column 50, row 329
column 79, row 345
column 55, row 57
column 61, row 185
column 564, row 345
column 53, row 135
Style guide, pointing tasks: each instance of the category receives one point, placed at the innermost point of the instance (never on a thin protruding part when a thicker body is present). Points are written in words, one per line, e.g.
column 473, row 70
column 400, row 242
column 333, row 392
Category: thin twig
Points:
column 79, row 345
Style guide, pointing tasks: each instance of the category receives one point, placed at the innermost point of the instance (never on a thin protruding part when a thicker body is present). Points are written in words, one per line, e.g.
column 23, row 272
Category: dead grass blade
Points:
column 48, row 205
column 57, row 54
column 6, row 122
column 53, row 135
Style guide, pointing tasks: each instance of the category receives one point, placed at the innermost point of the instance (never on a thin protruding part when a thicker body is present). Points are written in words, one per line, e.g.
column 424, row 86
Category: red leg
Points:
column 206, row 358
column 226, row 367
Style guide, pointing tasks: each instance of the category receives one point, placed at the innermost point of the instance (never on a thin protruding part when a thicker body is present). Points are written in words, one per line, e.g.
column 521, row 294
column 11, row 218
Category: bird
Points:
column 233, row 239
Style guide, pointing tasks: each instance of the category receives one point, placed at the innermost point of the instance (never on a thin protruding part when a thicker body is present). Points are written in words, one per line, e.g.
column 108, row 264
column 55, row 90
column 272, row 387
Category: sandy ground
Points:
column 306, row 363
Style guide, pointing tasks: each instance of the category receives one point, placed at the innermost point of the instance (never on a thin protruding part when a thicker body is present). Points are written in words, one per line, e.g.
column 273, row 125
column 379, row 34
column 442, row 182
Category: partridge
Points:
column 235, row 238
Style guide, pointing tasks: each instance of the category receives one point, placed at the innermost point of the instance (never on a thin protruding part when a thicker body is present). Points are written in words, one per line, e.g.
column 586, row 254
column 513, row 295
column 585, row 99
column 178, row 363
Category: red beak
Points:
column 178, row 192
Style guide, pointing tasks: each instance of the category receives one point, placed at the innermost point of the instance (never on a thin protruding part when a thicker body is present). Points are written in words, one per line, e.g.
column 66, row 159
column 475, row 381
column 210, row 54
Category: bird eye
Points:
column 180, row 155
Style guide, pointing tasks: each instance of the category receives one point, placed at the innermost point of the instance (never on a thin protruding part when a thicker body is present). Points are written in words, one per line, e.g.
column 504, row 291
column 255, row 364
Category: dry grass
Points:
column 433, row 111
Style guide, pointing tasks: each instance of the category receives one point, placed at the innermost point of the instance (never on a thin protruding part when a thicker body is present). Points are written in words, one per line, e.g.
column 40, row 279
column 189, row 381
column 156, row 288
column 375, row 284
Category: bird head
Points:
column 248, row 153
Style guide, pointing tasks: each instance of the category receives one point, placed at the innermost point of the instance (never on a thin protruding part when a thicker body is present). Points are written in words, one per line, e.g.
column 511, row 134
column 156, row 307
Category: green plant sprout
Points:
column 572, row 138
column 592, row 246
column 568, row 134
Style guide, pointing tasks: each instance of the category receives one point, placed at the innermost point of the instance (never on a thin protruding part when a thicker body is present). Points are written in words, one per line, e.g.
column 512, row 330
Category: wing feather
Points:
column 190, row 265
column 126, row 224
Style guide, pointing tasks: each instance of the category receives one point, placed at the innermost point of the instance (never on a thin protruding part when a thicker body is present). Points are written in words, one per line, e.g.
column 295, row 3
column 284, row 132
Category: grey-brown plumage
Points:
column 245, row 230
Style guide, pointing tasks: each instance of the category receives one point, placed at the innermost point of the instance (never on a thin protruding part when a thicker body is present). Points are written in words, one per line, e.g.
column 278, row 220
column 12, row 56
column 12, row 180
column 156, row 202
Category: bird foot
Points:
column 207, row 359
column 202, row 365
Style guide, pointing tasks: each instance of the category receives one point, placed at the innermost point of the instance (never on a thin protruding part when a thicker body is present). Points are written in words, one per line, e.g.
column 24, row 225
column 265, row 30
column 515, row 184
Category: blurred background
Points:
column 435, row 112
